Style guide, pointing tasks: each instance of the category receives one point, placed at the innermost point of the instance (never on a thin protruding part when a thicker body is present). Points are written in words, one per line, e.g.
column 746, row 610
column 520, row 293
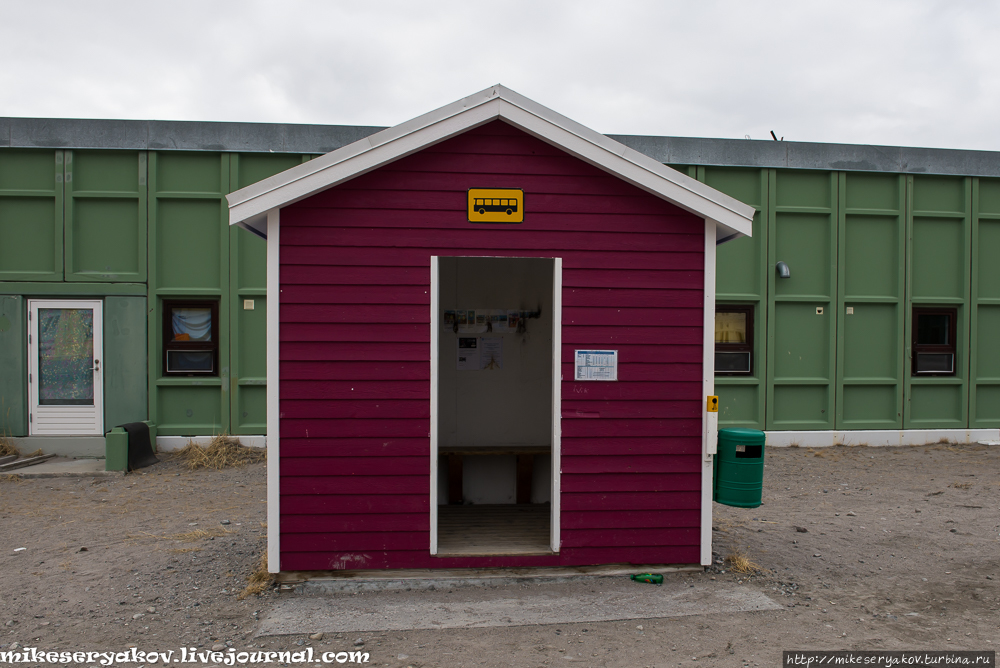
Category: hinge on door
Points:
column 29, row 417
column 29, row 379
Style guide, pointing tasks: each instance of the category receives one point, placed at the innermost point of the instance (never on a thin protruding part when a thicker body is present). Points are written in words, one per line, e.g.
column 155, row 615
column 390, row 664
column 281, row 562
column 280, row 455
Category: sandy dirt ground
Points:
column 863, row 548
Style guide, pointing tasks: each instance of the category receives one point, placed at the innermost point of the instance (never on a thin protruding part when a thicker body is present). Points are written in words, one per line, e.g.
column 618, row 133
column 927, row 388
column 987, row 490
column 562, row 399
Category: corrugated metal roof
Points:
column 318, row 139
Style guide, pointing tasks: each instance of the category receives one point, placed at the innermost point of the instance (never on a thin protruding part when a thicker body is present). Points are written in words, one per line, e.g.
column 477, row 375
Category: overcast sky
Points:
column 913, row 72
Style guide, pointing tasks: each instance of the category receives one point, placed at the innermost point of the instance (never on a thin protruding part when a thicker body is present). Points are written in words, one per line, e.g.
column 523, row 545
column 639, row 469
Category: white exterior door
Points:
column 65, row 383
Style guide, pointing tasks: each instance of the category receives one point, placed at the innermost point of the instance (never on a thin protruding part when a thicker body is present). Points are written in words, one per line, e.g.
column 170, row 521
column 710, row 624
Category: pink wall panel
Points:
column 354, row 350
column 638, row 537
column 631, row 481
column 320, row 557
column 626, row 519
column 355, row 523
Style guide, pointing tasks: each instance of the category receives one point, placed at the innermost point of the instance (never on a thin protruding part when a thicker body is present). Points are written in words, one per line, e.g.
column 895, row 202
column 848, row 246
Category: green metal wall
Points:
column 984, row 395
column 125, row 394
column 870, row 354
column 248, row 279
column 742, row 278
column 196, row 254
column 31, row 215
column 188, row 257
column 800, row 362
column 938, row 272
column 13, row 366
column 878, row 244
column 134, row 228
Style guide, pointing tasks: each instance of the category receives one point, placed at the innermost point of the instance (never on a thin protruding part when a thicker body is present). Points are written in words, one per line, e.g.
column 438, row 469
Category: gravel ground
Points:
column 140, row 559
column 864, row 548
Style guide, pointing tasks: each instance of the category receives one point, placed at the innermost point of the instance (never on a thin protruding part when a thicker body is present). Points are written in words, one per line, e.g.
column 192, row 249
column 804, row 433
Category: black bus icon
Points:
column 494, row 205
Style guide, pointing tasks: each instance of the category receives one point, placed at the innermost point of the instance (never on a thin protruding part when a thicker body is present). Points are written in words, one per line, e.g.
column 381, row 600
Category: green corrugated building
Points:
column 114, row 235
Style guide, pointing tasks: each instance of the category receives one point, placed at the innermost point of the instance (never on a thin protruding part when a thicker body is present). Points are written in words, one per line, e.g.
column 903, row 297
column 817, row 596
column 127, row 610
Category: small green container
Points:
column 116, row 447
column 739, row 468
column 116, row 450
column 651, row 578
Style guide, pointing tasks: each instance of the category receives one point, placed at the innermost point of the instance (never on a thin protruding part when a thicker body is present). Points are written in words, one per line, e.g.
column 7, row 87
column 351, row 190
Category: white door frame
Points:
column 554, row 538
column 710, row 421
column 435, row 384
column 554, row 524
column 65, row 420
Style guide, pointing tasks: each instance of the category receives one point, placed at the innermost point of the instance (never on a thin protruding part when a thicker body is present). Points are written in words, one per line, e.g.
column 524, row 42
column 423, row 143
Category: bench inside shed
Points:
column 495, row 368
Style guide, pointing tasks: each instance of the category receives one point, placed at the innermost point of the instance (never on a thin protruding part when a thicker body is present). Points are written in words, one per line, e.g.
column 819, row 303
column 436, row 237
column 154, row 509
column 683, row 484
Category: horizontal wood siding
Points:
column 355, row 355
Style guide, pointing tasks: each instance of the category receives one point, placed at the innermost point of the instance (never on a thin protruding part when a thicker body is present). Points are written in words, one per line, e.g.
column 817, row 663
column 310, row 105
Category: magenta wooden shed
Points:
column 490, row 344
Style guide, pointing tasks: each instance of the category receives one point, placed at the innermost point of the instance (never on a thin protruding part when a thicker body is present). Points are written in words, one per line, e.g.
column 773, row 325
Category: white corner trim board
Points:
column 273, row 410
column 435, row 388
column 878, row 438
column 555, row 525
column 707, row 389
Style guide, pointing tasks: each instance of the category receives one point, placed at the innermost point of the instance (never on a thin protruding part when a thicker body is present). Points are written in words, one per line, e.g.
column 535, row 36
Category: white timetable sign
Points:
column 596, row 365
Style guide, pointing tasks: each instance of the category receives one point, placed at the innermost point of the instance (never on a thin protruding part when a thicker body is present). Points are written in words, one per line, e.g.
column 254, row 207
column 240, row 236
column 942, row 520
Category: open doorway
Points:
column 495, row 431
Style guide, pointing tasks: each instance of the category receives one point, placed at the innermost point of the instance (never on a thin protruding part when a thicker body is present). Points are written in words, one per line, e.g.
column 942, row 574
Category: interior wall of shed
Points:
column 496, row 407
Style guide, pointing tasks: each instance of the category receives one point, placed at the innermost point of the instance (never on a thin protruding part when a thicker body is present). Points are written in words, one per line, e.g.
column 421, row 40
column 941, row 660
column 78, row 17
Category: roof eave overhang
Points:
column 248, row 207
column 256, row 225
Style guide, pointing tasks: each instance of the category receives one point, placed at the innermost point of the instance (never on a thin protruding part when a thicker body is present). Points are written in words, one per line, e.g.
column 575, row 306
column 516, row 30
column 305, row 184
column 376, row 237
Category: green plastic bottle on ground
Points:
column 652, row 578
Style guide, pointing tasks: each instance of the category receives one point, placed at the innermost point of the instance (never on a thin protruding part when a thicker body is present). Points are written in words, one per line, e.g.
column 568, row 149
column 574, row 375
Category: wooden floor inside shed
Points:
column 487, row 530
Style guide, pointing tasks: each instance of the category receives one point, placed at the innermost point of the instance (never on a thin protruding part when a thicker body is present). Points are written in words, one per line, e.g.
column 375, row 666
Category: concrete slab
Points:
column 599, row 600
column 445, row 578
column 878, row 437
column 65, row 468
column 64, row 446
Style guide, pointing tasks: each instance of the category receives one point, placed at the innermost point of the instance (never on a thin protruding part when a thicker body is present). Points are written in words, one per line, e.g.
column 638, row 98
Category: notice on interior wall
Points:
column 480, row 320
column 468, row 353
column 513, row 319
column 472, row 321
column 491, row 353
column 596, row 365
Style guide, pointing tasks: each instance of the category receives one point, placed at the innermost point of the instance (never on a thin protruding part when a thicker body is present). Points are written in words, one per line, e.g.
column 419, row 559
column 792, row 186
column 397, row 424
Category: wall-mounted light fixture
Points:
column 783, row 271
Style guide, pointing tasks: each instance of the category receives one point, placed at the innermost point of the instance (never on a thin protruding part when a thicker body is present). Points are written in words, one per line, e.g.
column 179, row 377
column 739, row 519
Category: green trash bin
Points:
column 739, row 468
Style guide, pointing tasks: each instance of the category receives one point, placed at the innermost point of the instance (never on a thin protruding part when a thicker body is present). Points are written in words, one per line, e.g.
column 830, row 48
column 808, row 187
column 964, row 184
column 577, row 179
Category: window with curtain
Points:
column 190, row 337
column 733, row 340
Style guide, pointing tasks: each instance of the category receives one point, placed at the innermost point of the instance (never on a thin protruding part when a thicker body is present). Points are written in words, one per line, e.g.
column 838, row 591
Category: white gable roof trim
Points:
column 248, row 206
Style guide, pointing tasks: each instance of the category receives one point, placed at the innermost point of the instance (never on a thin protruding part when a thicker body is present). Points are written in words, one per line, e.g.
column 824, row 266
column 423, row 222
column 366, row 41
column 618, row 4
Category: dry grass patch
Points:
column 198, row 534
column 833, row 452
column 224, row 451
column 961, row 485
column 258, row 581
column 11, row 477
column 740, row 562
column 7, row 447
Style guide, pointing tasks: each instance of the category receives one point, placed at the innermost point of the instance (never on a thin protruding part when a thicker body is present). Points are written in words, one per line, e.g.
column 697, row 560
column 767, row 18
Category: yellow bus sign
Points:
column 496, row 205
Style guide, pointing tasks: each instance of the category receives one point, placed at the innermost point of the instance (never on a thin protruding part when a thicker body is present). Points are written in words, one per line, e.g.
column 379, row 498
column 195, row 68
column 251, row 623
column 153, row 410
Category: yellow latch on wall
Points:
column 713, row 404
